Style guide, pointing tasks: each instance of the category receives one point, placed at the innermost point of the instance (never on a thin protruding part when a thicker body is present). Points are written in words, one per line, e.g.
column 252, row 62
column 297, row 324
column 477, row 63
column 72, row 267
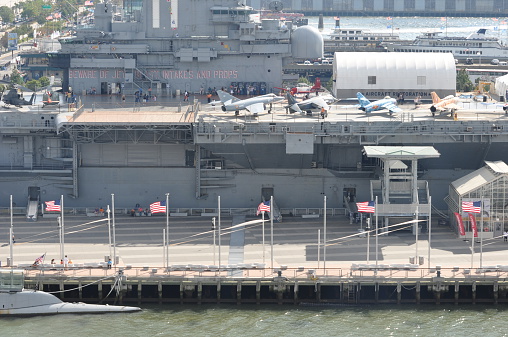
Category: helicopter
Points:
column 15, row 97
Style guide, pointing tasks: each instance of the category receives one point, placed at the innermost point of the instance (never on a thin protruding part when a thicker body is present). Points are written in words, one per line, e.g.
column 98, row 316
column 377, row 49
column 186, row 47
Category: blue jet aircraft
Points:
column 385, row 103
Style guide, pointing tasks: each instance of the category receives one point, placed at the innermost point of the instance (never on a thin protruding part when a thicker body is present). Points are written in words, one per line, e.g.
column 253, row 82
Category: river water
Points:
column 271, row 320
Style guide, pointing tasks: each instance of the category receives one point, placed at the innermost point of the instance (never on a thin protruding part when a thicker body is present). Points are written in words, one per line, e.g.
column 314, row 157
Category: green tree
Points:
column 33, row 85
column 16, row 77
column 6, row 14
column 32, row 10
column 304, row 80
column 464, row 83
column 43, row 82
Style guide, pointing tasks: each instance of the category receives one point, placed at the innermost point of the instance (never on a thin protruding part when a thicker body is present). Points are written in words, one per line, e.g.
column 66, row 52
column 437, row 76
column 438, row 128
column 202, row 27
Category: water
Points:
column 409, row 27
column 231, row 320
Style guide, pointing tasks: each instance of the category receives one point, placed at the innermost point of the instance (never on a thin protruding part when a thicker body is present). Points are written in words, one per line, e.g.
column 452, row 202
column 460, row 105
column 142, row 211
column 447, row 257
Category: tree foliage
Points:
column 32, row 10
column 6, row 14
column 16, row 77
column 464, row 83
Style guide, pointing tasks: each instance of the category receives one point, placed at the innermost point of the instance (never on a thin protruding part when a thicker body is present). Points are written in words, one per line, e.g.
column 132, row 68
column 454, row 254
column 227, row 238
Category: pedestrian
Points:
column 186, row 96
column 66, row 261
column 505, row 236
column 123, row 98
column 209, row 97
column 52, row 261
column 13, row 239
column 109, row 263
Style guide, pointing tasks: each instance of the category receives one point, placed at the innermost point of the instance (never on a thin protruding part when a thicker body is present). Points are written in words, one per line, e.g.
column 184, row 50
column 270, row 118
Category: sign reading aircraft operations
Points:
column 154, row 74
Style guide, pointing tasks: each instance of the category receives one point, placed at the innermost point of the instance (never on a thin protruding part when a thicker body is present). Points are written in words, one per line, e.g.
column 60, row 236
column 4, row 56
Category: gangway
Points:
column 32, row 207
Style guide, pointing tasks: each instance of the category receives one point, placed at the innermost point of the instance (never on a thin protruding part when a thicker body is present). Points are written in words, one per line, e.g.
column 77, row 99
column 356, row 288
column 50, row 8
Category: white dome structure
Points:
column 307, row 43
column 377, row 75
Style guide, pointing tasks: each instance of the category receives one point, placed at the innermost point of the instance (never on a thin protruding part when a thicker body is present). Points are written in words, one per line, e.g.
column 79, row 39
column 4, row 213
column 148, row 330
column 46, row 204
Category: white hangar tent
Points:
column 377, row 75
column 501, row 86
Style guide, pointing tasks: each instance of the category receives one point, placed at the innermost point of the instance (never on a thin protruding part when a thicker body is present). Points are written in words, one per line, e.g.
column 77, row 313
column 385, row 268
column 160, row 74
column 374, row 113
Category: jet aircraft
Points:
column 15, row 97
column 385, row 103
column 443, row 104
column 252, row 104
column 315, row 103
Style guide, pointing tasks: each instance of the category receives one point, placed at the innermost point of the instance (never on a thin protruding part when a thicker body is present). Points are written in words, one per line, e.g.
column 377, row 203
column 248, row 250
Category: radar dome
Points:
column 307, row 43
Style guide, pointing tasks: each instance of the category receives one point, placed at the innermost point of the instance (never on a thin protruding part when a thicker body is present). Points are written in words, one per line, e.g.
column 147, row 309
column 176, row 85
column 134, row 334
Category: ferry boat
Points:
column 17, row 301
column 475, row 45
column 347, row 39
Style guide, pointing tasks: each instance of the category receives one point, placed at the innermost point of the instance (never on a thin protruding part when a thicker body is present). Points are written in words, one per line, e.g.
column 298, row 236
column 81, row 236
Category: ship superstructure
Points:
column 179, row 45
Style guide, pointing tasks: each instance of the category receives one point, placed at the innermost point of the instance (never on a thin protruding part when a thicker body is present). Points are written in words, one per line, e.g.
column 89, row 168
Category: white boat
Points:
column 356, row 38
column 15, row 300
column 475, row 45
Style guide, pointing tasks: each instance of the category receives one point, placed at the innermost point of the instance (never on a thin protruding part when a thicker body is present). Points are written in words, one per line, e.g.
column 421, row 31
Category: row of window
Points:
column 461, row 52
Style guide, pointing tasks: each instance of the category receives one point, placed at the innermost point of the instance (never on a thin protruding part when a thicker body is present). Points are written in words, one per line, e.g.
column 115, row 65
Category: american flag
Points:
column 158, row 207
column 53, row 205
column 263, row 207
column 366, row 207
column 88, row 3
column 471, row 206
column 39, row 260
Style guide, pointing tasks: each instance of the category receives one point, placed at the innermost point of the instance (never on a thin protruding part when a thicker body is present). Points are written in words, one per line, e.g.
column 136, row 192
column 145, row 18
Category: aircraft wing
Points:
column 451, row 106
column 392, row 107
column 319, row 103
column 256, row 108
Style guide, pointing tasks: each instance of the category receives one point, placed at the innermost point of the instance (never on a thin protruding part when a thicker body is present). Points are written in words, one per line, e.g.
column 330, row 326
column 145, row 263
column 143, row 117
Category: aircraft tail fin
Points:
column 225, row 97
column 32, row 99
column 435, row 97
column 292, row 103
column 317, row 84
column 362, row 100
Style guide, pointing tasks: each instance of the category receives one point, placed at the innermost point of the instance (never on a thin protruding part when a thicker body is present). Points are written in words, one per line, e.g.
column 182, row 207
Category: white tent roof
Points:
column 501, row 85
column 480, row 177
column 422, row 71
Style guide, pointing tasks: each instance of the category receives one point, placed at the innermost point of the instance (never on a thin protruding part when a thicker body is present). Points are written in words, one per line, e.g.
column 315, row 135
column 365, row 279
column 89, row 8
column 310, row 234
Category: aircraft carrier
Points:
column 103, row 145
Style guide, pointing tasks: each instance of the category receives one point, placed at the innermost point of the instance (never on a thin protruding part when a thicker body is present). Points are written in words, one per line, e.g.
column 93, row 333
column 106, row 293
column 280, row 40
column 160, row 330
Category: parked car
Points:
column 469, row 60
column 494, row 62
column 307, row 63
column 316, row 63
column 503, row 63
column 325, row 61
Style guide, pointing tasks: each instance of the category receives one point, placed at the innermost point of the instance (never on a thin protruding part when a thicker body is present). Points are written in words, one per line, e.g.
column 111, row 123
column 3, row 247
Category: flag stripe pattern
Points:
column 53, row 205
column 366, row 207
column 39, row 260
column 471, row 206
column 158, row 207
column 263, row 207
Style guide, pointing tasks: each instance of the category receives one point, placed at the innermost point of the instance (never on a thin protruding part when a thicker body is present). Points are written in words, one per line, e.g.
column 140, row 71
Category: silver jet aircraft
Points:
column 253, row 104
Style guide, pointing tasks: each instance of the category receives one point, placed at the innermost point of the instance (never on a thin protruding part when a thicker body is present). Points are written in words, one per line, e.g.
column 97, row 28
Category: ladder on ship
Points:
column 352, row 293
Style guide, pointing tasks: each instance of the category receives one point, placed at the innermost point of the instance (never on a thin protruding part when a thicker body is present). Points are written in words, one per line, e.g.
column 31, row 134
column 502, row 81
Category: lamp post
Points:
column 114, row 229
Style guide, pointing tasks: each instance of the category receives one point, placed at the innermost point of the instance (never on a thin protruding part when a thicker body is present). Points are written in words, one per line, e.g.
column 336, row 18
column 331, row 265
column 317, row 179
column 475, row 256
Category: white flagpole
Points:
column 416, row 237
column 62, row 225
column 481, row 233
column 377, row 234
column 472, row 242
column 430, row 230
column 218, row 218
column 109, row 229
column 167, row 230
column 11, row 234
column 272, row 209
column 263, row 219
column 324, row 236
column 369, row 220
column 318, row 247
column 114, row 228
column 164, row 249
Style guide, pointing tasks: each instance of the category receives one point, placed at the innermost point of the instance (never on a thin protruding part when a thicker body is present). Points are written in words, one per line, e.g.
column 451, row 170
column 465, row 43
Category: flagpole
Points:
column 481, row 236
column 164, row 249
column 318, row 247
column 324, row 236
column 263, row 219
column 62, row 225
column 430, row 230
column 369, row 220
column 167, row 230
column 11, row 234
column 218, row 218
column 109, row 229
column 472, row 242
column 377, row 234
column 416, row 237
column 271, row 229
column 114, row 229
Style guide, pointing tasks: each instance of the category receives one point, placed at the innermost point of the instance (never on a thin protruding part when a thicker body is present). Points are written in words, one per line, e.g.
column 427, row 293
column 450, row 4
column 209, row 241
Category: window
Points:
column 371, row 80
column 421, row 80
column 430, row 5
column 450, row 5
column 389, row 5
column 409, row 4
